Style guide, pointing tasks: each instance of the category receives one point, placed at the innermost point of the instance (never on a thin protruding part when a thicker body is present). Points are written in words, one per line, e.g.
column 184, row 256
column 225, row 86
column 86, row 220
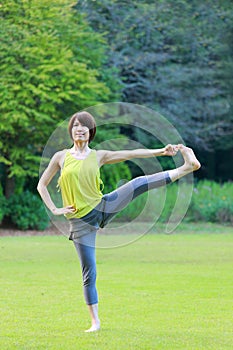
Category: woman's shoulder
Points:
column 61, row 153
column 100, row 154
column 59, row 156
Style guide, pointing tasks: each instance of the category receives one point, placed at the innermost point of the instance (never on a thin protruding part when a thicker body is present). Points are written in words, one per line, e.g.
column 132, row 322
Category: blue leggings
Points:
column 83, row 231
column 85, row 246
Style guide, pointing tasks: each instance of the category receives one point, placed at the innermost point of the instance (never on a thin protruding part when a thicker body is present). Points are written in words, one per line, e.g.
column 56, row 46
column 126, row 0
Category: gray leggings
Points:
column 83, row 231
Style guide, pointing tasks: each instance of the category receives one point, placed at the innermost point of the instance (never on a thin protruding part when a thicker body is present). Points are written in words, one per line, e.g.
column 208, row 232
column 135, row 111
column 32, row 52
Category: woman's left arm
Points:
column 111, row 157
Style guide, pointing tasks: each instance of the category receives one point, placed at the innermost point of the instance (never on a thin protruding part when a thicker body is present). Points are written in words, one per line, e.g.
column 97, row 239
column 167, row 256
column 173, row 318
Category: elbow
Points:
column 40, row 187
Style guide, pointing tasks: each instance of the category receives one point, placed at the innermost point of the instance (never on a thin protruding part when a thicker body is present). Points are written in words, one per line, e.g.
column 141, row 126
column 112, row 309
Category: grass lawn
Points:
column 161, row 292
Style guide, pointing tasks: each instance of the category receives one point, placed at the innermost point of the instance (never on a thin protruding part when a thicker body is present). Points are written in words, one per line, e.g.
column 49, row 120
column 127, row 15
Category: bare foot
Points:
column 93, row 328
column 190, row 161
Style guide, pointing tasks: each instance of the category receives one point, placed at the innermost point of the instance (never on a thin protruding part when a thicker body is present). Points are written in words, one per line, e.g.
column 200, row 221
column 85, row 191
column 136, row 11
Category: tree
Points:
column 50, row 63
column 175, row 57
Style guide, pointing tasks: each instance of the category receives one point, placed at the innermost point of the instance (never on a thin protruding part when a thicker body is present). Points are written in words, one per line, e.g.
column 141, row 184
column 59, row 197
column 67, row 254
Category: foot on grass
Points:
column 94, row 328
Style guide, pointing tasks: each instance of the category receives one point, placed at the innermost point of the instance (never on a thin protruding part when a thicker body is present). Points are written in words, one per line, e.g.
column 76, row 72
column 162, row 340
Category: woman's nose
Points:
column 80, row 127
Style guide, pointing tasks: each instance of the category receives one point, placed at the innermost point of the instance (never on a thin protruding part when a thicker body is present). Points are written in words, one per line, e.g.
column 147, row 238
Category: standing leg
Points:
column 93, row 310
column 85, row 246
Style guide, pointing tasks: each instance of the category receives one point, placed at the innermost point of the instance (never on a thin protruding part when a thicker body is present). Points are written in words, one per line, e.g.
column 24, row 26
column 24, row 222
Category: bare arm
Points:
column 45, row 179
column 110, row 157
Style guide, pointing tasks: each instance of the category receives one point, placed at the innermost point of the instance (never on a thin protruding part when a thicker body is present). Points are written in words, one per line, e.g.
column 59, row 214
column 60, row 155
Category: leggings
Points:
column 85, row 246
column 83, row 231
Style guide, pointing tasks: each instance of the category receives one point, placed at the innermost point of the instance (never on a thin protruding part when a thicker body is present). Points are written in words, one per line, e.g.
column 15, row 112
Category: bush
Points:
column 113, row 175
column 212, row 202
column 215, row 210
column 27, row 211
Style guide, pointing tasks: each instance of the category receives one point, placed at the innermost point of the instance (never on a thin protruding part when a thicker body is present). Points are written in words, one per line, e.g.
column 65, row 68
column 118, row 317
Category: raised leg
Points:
column 120, row 198
column 117, row 200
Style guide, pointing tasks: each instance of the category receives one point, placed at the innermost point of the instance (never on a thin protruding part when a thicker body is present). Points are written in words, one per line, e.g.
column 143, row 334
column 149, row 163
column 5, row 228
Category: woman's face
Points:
column 80, row 132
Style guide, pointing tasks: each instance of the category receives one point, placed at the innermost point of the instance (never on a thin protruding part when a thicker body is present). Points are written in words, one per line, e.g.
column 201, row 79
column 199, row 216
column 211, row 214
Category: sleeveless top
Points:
column 80, row 184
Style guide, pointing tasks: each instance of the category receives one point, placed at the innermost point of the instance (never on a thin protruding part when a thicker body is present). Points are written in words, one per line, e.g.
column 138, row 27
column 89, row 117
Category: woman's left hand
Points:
column 170, row 150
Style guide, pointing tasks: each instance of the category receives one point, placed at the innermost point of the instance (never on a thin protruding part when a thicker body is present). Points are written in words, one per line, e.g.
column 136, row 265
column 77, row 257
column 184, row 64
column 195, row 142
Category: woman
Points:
column 85, row 206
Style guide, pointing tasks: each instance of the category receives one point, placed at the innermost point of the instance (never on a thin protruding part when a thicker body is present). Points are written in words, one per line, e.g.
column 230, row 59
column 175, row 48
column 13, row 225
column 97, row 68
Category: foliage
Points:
column 212, row 202
column 114, row 175
column 176, row 57
column 109, row 137
column 26, row 211
column 50, row 63
column 220, row 211
column 58, row 57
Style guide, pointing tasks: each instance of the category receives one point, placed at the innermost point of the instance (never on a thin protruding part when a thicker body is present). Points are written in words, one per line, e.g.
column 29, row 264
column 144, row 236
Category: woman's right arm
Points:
column 45, row 179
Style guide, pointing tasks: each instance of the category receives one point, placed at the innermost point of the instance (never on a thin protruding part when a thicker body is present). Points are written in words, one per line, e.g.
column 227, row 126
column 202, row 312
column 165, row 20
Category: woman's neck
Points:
column 80, row 148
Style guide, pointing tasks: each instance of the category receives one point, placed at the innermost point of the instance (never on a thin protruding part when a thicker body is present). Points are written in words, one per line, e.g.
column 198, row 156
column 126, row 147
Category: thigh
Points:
column 120, row 198
column 87, row 239
column 85, row 246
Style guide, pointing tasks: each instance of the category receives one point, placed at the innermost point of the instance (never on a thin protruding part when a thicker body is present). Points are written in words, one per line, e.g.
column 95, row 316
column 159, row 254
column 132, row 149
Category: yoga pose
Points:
column 84, row 205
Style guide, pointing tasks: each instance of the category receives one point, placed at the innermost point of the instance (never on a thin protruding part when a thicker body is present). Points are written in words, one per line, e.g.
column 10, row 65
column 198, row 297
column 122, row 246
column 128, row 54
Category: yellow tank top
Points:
column 80, row 184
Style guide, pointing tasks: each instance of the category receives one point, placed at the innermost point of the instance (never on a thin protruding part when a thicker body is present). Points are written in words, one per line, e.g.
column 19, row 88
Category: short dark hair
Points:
column 86, row 119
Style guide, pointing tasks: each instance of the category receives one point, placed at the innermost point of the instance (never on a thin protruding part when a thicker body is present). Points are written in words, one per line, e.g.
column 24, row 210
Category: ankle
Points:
column 96, row 322
column 176, row 174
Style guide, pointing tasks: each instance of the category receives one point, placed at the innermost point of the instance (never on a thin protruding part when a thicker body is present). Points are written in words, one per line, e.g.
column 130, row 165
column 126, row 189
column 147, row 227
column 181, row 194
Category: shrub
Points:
column 27, row 211
column 216, row 210
column 224, row 212
column 212, row 202
column 114, row 175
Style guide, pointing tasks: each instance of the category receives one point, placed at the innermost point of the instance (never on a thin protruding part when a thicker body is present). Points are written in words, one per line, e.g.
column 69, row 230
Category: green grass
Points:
column 161, row 292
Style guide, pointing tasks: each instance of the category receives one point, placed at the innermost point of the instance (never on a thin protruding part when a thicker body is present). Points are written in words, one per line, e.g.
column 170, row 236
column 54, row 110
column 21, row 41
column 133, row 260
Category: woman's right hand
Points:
column 70, row 209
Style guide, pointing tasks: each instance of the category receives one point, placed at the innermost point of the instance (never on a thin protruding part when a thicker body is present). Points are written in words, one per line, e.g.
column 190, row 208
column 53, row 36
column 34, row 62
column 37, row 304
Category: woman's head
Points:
column 85, row 119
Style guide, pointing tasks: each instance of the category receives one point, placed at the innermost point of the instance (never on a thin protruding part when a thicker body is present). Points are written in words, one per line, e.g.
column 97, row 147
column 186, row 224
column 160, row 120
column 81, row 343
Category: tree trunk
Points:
column 9, row 186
